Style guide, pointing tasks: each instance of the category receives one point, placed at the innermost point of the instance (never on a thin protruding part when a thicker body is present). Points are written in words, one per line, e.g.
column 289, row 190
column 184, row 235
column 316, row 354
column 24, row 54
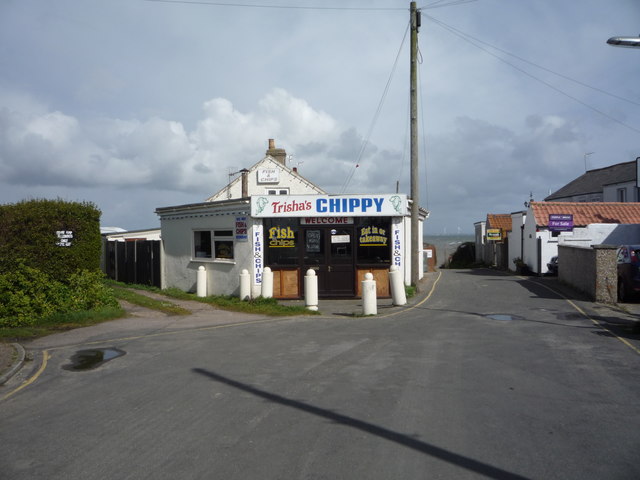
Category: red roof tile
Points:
column 586, row 213
column 499, row 220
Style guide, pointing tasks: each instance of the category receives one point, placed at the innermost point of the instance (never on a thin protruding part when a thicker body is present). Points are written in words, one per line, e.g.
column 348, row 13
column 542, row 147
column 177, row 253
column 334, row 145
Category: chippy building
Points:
column 272, row 216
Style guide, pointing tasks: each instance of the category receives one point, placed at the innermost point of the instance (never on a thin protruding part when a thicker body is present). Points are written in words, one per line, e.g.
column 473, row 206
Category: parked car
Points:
column 553, row 265
column 628, row 272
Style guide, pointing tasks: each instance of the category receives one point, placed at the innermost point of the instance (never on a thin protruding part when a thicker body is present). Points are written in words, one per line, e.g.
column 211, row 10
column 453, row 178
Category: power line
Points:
column 284, row 7
column 376, row 115
column 521, row 70
column 467, row 36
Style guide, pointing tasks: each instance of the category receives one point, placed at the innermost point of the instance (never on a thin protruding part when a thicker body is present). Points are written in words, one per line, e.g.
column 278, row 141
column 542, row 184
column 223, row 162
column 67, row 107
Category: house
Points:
column 492, row 239
column 549, row 224
column 271, row 216
column 615, row 183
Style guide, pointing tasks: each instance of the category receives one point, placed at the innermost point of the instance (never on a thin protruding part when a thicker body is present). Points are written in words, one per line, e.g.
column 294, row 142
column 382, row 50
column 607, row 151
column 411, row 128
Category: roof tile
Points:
column 585, row 213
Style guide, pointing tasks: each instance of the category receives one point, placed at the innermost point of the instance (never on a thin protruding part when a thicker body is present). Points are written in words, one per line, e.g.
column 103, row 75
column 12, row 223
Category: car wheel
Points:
column 622, row 291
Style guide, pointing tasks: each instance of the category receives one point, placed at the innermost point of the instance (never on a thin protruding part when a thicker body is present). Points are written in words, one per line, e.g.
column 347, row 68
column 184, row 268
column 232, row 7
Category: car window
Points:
column 623, row 255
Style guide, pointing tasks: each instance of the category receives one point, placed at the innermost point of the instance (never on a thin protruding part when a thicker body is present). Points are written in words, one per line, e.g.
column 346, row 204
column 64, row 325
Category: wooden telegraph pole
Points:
column 416, row 241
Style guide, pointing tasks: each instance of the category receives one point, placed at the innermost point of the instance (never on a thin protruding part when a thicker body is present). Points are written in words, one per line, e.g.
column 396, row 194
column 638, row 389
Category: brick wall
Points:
column 591, row 270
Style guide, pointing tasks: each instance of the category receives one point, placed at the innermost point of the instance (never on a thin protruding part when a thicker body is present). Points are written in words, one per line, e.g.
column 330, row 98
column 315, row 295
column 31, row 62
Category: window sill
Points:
column 214, row 260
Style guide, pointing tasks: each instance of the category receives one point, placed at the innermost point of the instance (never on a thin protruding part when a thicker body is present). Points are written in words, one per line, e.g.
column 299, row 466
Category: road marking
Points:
column 586, row 315
column 45, row 359
column 46, row 355
column 433, row 288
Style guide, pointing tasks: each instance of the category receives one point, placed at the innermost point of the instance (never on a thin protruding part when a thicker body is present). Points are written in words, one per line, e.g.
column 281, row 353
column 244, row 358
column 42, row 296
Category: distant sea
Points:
column 446, row 244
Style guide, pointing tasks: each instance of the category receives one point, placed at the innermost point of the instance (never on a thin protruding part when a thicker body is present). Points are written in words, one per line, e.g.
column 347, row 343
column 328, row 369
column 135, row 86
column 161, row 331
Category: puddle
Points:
column 501, row 317
column 92, row 358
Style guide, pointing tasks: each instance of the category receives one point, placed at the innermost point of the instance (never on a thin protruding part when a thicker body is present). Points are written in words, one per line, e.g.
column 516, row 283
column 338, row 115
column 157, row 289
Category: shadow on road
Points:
column 399, row 438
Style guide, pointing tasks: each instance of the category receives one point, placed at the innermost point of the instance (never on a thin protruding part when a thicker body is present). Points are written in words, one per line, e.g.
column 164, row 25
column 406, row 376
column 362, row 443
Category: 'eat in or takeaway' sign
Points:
column 560, row 222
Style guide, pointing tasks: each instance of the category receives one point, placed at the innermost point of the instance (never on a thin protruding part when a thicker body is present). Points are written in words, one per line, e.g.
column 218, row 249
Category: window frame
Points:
column 221, row 235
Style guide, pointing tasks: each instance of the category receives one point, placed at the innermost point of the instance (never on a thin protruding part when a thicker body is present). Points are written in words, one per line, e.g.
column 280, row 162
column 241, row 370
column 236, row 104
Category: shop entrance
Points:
column 330, row 252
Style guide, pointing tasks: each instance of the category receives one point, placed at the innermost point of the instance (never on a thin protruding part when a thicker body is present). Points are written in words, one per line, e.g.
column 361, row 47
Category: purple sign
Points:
column 560, row 222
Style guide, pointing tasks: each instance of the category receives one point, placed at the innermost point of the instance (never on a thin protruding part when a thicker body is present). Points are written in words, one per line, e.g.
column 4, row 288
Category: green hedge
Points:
column 28, row 295
column 33, row 231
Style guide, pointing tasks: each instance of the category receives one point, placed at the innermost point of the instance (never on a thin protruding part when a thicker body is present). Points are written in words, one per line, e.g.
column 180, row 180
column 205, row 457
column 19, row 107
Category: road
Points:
column 493, row 376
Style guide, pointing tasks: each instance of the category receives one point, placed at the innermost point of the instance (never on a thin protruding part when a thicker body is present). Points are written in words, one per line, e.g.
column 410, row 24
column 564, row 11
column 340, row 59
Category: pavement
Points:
column 14, row 354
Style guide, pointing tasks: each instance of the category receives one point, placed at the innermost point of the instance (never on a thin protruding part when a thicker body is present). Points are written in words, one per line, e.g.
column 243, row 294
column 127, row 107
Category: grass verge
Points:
column 61, row 322
column 164, row 306
column 260, row 305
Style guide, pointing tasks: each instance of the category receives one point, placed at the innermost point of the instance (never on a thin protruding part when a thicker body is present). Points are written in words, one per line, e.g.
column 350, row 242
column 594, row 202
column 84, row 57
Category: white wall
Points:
column 515, row 238
column 180, row 269
column 287, row 180
column 481, row 240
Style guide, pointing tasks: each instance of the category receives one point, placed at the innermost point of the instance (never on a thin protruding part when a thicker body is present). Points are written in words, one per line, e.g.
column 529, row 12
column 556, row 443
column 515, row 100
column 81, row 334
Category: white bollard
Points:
column 369, row 296
column 245, row 285
column 311, row 290
column 267, row 283
column 398, row 293
column 201, row 282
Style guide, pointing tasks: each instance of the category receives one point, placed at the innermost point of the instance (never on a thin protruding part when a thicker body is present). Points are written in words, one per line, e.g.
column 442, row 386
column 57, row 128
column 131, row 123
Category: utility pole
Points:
column 416, row 241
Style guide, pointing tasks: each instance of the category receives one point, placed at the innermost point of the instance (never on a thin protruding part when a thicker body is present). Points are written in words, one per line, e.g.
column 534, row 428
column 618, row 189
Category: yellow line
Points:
column 46, row 355
column 433, row 288
column 587, row 316
column 45, row 359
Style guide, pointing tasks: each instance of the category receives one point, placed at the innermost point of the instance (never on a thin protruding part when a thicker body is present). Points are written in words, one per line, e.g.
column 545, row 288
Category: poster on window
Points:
column 241, row 229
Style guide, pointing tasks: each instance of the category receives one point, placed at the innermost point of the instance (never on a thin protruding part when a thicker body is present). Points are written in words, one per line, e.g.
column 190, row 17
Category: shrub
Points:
column 31, row 230
column 464, row 256
column 28, row 295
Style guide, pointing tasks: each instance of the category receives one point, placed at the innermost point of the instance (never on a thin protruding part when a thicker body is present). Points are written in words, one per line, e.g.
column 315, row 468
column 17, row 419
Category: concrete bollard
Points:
column 201, row 282
column 245, row 285
column 398, row 293
column 311, row 290
column 369, row 296
column 267, row 283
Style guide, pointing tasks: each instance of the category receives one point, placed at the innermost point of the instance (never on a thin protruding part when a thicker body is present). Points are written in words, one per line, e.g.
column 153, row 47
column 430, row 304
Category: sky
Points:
column 137, row 104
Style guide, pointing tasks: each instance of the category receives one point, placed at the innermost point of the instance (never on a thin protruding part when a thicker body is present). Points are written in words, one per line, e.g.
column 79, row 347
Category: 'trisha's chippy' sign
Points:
column 392, row 205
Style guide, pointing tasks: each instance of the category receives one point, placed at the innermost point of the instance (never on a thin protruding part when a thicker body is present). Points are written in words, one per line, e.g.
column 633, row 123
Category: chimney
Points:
column 278, row 153
column 245, row 183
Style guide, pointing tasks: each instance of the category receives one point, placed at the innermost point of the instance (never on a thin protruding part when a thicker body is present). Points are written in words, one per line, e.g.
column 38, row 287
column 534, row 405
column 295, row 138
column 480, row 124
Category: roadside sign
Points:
column 494, row 234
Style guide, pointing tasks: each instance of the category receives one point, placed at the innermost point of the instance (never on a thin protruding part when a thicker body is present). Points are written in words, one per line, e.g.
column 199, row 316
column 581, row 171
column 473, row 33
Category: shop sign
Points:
column 241, row 229
column 64, row 238
column 560, row 222
column 494, row 234
column 340, row 238
column 328, row 205
column 258, row 250
column 326, row 221
column 373, row 236
column 281, row 237
column 397, row 246
column 268, row 175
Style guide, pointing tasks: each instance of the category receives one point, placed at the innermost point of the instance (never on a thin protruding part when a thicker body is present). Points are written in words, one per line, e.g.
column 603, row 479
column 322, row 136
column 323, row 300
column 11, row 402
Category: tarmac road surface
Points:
column 492, row 376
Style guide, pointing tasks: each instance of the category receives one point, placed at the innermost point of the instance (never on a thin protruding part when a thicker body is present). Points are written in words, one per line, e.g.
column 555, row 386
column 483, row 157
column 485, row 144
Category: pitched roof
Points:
column 499, row 220
column 585, row 213
column 593, row 180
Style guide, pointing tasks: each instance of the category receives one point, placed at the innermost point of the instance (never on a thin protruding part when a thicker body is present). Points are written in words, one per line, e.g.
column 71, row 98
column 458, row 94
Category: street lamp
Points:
column 630, row 42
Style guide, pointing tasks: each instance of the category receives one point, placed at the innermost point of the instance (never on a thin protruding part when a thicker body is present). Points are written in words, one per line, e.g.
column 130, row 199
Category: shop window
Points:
column 213, row 244
column 202, row 244
column 373, row 235
column 223, row 244
column 282, row 241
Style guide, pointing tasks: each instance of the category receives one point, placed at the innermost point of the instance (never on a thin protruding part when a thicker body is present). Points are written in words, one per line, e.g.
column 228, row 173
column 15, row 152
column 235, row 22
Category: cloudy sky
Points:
column 138, row 104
